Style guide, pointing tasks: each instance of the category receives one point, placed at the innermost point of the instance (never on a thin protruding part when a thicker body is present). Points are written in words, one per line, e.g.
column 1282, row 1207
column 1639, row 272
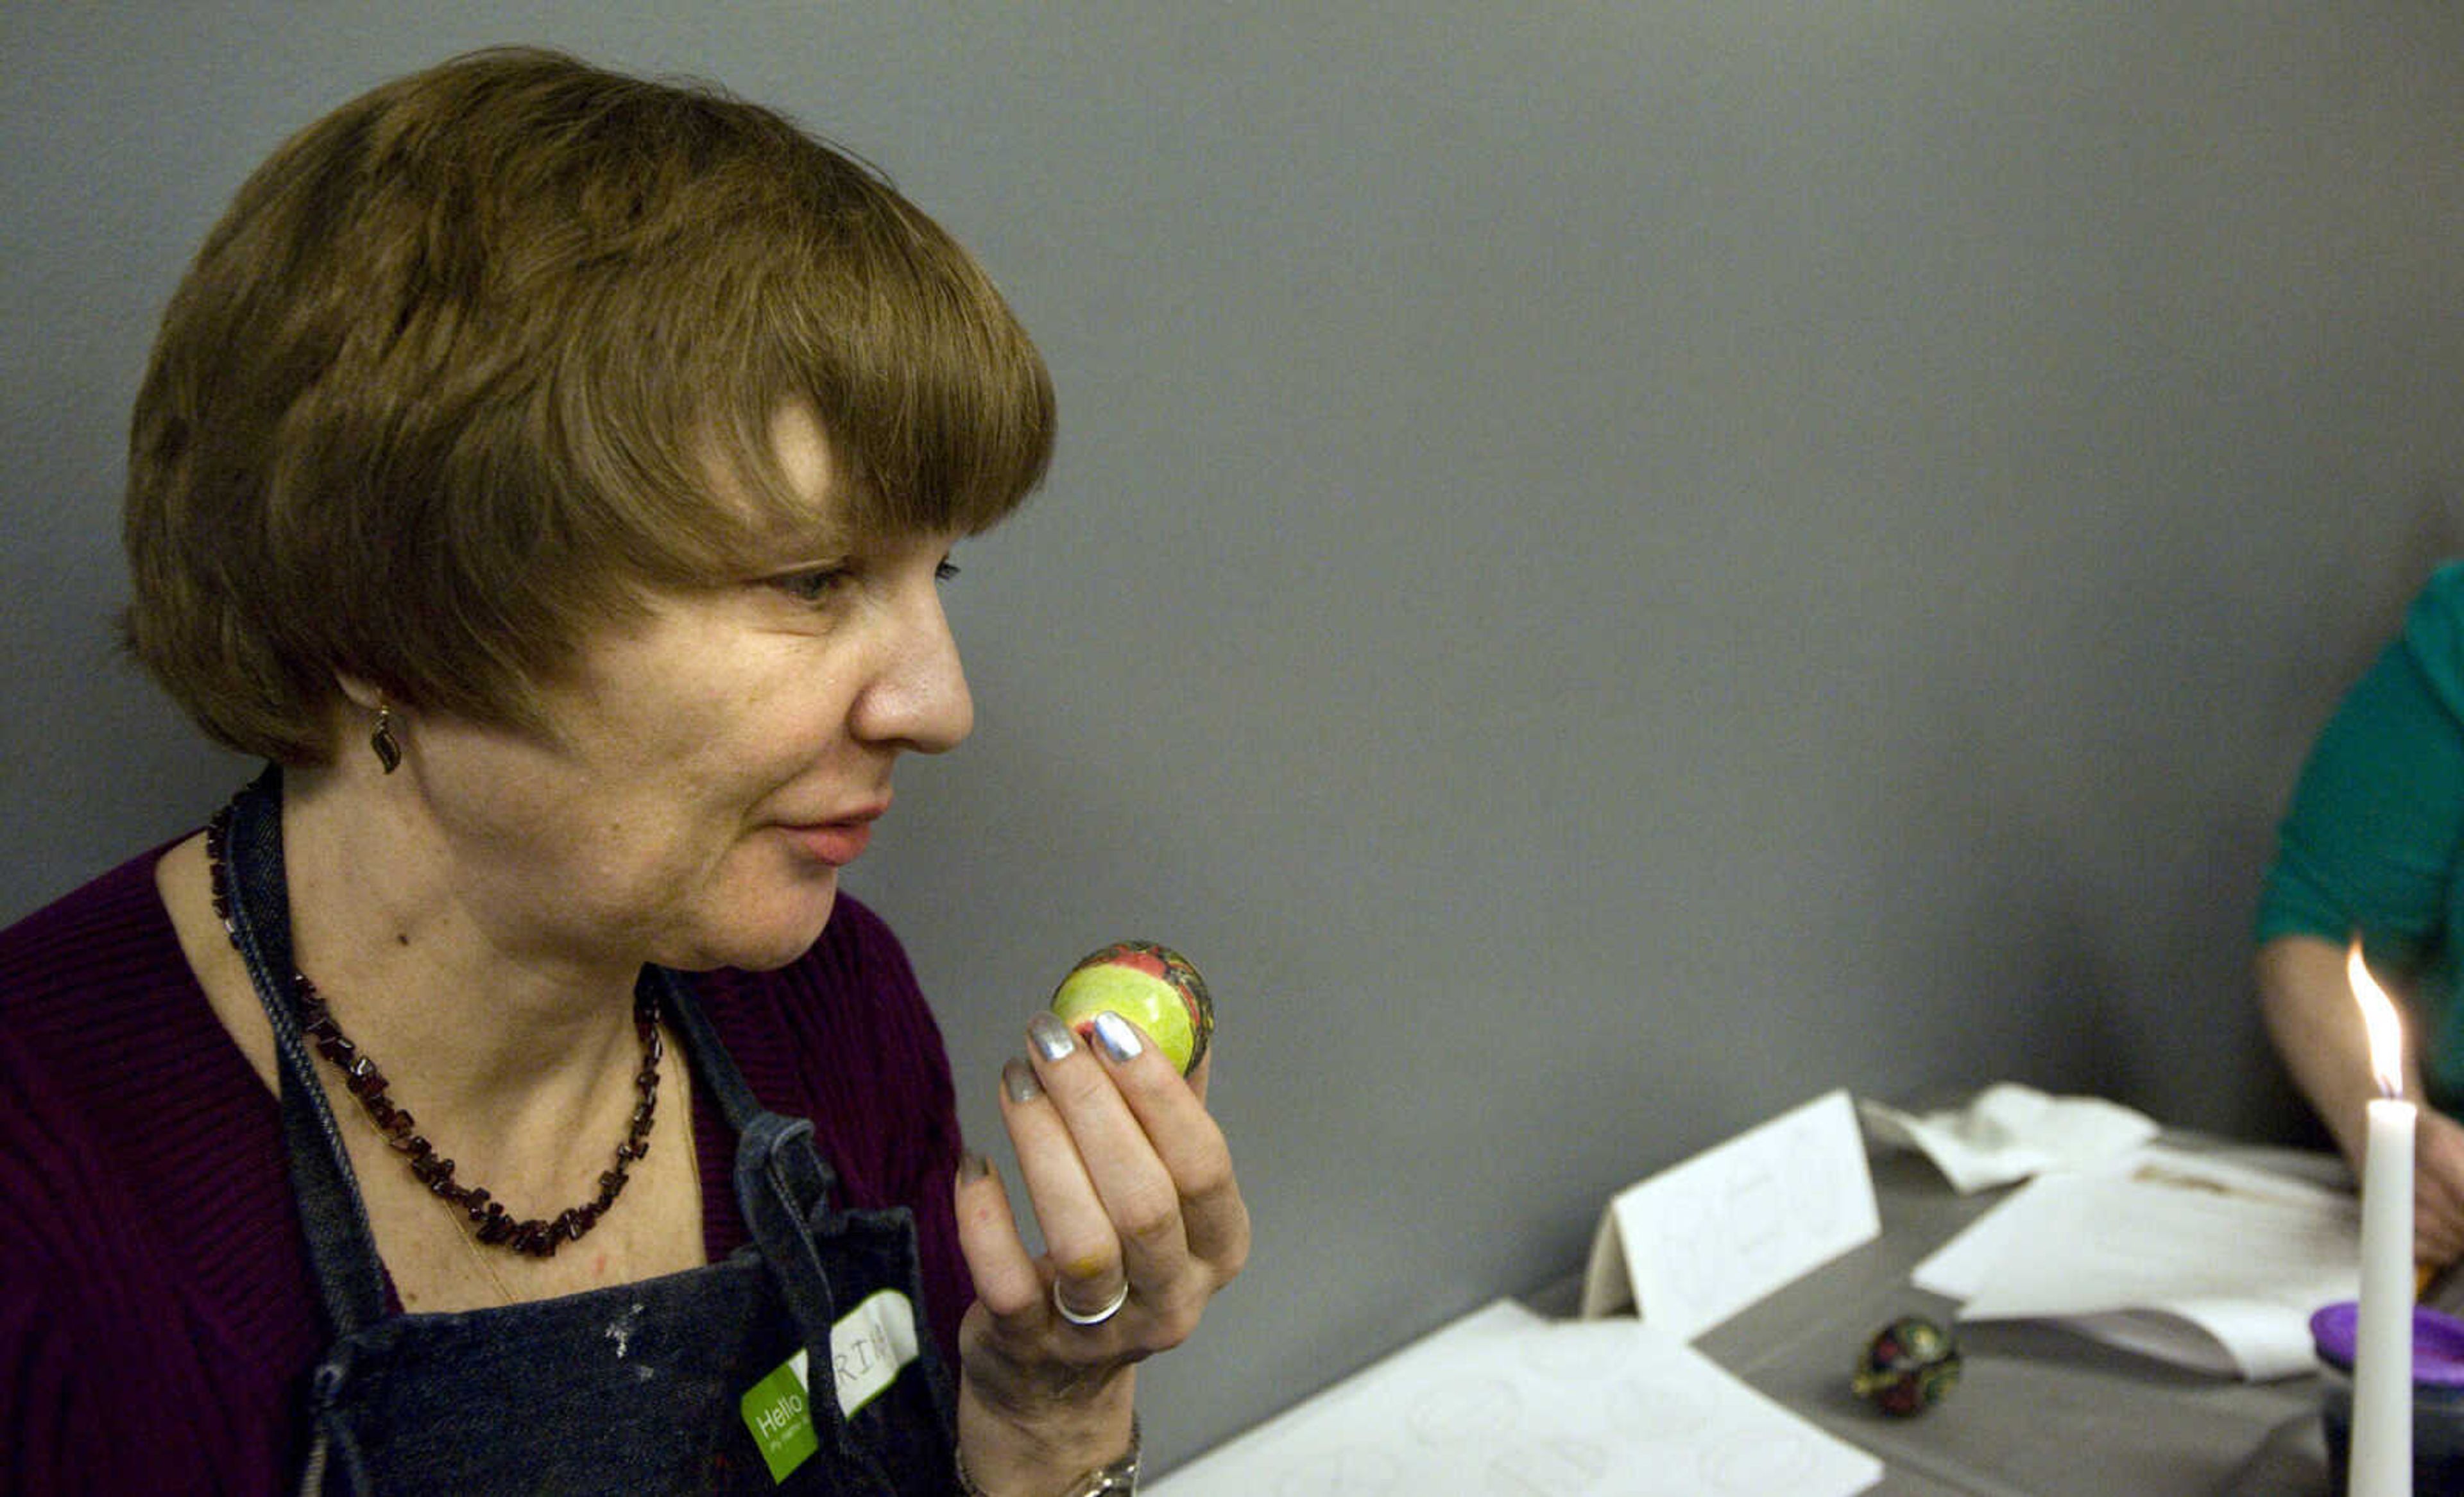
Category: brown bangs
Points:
column 937, row 407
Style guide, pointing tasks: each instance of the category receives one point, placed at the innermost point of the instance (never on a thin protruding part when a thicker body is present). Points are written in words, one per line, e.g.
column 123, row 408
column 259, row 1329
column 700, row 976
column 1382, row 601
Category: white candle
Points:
column 2381, row 1450
column 2382, row 1458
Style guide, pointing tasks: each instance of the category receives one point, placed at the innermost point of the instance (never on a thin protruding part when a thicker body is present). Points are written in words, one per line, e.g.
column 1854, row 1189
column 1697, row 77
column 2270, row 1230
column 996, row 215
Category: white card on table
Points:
column 1702, row 1240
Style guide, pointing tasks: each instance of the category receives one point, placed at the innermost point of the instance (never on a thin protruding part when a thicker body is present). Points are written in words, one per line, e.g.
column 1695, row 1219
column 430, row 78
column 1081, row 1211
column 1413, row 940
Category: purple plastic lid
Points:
column 2438, row 1342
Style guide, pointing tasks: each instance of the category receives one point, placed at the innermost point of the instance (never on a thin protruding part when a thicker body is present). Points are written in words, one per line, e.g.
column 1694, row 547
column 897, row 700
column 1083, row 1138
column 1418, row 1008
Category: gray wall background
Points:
column 1611, row 568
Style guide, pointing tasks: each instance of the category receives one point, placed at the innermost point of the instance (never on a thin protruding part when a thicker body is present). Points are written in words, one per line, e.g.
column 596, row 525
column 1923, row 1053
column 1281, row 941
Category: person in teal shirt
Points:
column 2371, row 846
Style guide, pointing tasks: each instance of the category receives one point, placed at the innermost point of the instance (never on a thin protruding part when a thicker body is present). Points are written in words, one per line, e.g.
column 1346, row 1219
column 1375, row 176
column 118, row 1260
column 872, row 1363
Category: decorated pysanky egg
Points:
column 1910, row 1366
column 1150, row 984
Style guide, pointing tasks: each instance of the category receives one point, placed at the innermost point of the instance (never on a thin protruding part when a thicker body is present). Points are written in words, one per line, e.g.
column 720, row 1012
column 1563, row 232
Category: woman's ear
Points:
column 360, row 693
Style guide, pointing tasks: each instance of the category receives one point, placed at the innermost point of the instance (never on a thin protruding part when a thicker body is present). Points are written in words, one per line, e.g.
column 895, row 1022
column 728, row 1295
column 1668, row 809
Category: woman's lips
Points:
column 838, row 843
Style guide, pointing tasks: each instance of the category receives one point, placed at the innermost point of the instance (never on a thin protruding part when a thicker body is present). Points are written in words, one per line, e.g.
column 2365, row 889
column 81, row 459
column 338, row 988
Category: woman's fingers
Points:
column 1129, row 1179
column 1103, row 1199
column 1008, row 1284
column 1171, row 1113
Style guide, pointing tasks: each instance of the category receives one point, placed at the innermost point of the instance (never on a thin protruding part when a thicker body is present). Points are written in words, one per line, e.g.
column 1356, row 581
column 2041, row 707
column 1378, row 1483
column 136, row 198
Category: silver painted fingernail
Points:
column 1051, row 1038
column 1117, row 1038
column 1018, row 1080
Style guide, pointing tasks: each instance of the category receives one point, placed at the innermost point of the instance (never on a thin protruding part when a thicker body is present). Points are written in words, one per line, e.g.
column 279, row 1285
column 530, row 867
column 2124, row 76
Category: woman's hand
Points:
column 1132, row 1187
column 2437, row 1190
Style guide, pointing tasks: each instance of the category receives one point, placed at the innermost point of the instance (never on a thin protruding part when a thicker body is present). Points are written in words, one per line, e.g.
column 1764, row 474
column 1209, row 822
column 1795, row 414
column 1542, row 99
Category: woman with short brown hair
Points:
column 552, row 475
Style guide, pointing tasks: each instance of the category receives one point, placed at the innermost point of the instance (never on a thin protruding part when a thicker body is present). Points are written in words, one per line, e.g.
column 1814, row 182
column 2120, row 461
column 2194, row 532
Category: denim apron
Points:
column 635, row 1388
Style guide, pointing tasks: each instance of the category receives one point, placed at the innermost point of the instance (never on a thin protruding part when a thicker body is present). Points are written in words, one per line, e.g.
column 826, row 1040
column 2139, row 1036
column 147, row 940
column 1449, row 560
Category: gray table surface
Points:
column 2038, row 1412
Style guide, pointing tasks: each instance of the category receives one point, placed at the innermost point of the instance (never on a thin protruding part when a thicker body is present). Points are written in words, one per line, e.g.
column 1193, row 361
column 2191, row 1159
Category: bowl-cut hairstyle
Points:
column 473, row 360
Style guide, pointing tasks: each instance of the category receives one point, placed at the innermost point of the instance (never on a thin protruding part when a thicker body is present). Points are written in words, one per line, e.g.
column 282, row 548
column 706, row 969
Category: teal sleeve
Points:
column 2371, row 841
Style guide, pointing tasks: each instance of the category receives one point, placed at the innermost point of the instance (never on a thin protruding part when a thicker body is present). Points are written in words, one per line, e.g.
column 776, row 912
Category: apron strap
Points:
column 781, row 1183
column 780, row 1180
column 717, row 1069
column 256, row 910
column 784, row 1188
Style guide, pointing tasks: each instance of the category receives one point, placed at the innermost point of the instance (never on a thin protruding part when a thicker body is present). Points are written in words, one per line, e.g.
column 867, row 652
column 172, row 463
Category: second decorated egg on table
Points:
column 1910, row 1366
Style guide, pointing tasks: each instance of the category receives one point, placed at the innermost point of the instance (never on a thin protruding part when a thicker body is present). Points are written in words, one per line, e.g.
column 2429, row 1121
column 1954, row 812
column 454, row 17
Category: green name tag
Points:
column 780, row 1418
column 869, row 1346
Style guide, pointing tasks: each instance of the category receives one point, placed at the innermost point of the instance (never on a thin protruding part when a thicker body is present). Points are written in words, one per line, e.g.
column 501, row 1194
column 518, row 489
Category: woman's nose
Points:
column 919, row 698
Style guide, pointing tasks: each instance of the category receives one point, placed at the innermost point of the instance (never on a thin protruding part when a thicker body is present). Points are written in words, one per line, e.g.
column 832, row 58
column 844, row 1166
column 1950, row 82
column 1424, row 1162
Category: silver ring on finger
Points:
column 1084, row 1318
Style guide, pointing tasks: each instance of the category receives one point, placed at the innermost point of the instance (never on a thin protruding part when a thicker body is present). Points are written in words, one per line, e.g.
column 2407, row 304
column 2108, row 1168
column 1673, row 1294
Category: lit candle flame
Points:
column 2379, row 1016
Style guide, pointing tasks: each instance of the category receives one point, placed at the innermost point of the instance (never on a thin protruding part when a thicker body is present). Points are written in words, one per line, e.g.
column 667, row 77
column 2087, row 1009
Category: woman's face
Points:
column 713, row 765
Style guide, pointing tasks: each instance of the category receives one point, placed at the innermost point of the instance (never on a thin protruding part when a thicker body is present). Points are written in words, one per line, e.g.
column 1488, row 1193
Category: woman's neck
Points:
column 509, row 1031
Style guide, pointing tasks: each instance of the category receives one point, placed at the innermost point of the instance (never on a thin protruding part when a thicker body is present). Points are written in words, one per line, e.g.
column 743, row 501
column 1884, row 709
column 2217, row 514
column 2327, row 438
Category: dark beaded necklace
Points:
column 491, row 1222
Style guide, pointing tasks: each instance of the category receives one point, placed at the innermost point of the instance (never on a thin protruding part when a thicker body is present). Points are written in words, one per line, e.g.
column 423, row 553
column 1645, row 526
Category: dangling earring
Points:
column 388, row 751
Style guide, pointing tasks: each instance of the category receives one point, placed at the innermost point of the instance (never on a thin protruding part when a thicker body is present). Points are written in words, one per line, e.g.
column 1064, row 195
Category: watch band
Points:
column 1111, row 1479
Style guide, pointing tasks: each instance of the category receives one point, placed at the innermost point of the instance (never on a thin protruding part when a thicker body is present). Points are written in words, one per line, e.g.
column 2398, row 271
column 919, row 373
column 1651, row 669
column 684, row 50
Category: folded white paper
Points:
column 2009, row 1131
column 1504, row 1401
column 2173, row 1255
column 1702, row 1240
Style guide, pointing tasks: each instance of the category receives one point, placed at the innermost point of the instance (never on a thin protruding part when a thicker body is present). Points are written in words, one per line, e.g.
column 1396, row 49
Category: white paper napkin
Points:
column 2010, row 1132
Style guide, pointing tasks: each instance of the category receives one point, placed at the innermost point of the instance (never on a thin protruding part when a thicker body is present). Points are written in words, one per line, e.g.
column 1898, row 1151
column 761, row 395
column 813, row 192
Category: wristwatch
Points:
column 1113, row 1479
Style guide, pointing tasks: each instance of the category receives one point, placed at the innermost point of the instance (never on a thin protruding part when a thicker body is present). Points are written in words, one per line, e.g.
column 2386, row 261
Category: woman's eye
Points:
column 946, row 571
column 817, row 585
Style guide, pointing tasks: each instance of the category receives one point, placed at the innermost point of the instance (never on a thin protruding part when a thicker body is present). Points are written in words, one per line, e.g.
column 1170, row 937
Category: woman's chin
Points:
column 777, row 937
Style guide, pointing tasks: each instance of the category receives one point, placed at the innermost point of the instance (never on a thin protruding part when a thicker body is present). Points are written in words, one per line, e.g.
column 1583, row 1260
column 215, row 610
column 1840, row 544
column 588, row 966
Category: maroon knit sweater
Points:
column 157, row 1318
